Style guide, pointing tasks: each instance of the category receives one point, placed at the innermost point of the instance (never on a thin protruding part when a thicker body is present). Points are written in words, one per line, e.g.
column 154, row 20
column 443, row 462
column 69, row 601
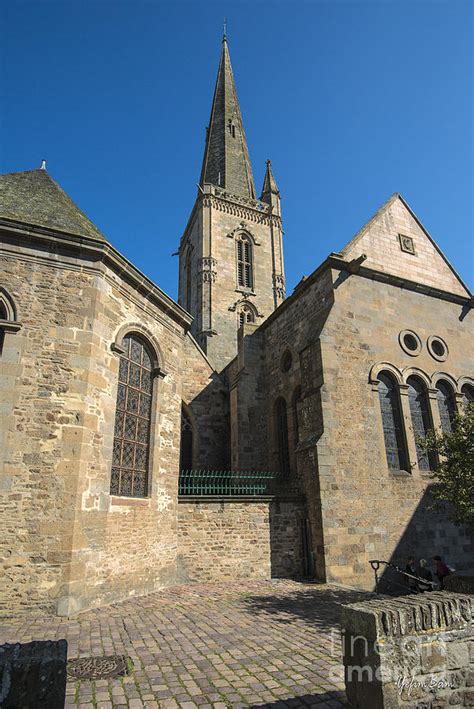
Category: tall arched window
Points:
column 393, row 433
column 282, row 435
column 467, row 392
column 446, row 405
column 186, row 450
column 132, row 420
column 246, row 314
column 421, row 420
column 244, row 262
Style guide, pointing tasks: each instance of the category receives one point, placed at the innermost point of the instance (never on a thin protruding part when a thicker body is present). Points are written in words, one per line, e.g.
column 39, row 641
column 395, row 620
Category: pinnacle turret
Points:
column 269, row 185
column 226, row 161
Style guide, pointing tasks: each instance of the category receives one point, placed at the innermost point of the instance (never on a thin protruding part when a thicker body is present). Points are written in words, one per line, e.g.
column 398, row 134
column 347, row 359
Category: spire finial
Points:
column 224, row 38
column 43, row 165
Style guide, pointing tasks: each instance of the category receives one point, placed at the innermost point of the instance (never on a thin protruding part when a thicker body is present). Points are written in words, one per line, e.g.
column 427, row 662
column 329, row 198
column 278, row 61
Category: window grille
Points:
column 421, row 420
column 132, row 420
column 392, row 423
column 244, row 263
column 282, row 435
column 186, row 451
column 446, row 405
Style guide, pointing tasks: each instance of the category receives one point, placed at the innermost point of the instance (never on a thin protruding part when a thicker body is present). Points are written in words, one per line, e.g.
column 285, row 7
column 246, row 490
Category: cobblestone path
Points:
column 254, row 644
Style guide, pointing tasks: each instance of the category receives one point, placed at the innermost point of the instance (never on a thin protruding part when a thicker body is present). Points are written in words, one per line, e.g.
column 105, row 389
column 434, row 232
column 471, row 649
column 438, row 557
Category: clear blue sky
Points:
column 352, row 101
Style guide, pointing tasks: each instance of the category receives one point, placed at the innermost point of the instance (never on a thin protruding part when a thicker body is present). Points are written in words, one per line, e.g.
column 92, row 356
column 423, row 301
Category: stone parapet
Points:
column 409, row 652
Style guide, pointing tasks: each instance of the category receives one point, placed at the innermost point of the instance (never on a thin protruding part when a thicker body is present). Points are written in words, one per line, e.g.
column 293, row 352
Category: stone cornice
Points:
column 337, row 262
column 26, row 235
column 252, row 210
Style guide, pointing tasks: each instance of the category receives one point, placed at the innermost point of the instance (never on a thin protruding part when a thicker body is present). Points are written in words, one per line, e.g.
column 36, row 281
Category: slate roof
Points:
column 33, row 197
column 226, row 160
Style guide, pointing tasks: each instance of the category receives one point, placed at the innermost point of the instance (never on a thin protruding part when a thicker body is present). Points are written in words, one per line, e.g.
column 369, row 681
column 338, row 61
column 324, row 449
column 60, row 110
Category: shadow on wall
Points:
column 289, row 539
column 428, row 533
column 209, row 414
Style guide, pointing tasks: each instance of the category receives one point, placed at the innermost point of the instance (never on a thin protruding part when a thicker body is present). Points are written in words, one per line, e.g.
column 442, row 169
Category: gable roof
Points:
column 33, row 197
column 381, row 241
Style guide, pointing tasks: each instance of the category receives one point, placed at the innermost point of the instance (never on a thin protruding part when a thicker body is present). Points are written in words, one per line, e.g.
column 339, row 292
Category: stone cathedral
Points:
column 240, row 433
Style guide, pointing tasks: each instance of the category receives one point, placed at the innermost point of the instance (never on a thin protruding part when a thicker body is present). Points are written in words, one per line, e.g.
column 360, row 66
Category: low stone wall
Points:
column 460, row 583
column 414, row 651
column 224, row 539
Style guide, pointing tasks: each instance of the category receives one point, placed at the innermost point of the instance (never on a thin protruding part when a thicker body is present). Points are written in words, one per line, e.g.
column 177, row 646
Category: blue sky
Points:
column 352, row 101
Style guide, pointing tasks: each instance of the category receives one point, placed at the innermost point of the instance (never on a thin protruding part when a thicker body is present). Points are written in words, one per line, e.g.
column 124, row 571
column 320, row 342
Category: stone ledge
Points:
column 238, row 498
column 409, row 615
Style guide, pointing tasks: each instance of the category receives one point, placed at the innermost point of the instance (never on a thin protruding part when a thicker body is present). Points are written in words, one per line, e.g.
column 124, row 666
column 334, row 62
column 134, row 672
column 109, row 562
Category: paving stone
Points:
column 209, row 645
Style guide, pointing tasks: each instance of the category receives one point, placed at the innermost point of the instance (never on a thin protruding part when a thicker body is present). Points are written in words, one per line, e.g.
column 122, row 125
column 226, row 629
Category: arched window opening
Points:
column 421, row 420
column 282, row 435
column 132, row 420
column 244, row 262
column 188, row 281
column 467, row 392
column 294, row 405
column 446, row 405
column 3, row 311
column 394, row 438
column 186, row 449
column 246, row 315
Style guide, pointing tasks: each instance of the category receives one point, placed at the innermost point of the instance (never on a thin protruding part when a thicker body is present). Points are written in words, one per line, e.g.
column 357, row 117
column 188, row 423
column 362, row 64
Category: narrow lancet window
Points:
column 446, row 405
column 186, row 451
column 421, row 420
column 244, row 263
column 394, row 438
column 282, row 435
column 132, row 420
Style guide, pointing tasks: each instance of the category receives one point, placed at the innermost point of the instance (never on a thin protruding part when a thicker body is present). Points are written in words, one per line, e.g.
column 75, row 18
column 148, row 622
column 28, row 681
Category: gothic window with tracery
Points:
column 244, row 262
column 131, row 451
column 186, row 450
column 395, row 448
column 246, row 315
column 282, row 435
column 421, row 420
column 446, row 405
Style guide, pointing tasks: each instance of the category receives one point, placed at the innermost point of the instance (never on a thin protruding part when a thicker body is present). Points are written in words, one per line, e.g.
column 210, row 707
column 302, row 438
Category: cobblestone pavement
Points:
column 252, row 644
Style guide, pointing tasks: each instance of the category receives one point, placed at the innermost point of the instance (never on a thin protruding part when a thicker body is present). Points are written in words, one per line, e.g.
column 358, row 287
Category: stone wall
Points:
column 66, row 542
column 337, row 327
column 410, row 652
column 228, row 539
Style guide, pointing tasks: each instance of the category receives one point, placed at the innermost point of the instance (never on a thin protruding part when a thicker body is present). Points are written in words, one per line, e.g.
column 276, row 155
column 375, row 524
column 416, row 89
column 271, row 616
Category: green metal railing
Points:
column 227, row 482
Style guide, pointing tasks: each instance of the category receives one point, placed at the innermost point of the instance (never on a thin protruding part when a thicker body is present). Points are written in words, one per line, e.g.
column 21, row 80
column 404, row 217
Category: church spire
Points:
column 226, row 161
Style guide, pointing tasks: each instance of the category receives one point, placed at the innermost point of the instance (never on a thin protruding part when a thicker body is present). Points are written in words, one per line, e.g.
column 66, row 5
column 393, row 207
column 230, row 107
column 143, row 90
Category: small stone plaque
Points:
column 406, row 244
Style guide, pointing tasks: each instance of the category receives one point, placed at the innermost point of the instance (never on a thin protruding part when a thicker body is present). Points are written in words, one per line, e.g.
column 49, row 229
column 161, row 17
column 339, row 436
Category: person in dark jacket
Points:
column 441, row 571
column 424, row 573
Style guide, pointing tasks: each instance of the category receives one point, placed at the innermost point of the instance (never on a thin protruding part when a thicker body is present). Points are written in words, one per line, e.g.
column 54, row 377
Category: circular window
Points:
column 437, row 348
column 286, row 361
column 410, row 342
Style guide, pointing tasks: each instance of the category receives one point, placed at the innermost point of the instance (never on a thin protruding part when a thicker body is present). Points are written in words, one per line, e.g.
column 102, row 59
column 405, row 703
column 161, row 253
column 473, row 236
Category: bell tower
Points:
column 230, row 256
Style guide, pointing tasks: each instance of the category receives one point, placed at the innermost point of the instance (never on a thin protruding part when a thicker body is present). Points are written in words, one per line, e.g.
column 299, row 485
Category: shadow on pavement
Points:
column 335, row 700
column 319, row 606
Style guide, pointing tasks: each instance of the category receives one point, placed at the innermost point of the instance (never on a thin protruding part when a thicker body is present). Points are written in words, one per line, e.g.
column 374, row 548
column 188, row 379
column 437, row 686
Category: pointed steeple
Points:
column 269, row 185
column 226, row 161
